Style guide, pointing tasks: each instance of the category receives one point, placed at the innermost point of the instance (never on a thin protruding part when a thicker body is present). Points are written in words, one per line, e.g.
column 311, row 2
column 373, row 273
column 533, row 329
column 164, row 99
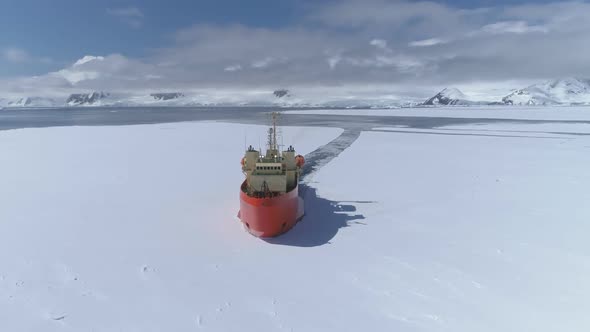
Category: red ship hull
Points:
column 270, row 216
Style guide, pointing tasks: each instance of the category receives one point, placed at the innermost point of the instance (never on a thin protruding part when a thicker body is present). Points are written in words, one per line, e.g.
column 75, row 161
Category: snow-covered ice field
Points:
column 464, row 228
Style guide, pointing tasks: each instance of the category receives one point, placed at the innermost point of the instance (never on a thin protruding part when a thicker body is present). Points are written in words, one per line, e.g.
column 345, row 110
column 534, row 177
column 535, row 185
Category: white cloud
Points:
column 131, row 16
column 82, row 70
column 334, row 60
column 427, row 42
column 379, row 43
column 518, row 27
column 75, row 77
column 341, row 48
column 263, row 63
column 106, row 72
column 402, row 63
column 88, row 58
column 233, row 68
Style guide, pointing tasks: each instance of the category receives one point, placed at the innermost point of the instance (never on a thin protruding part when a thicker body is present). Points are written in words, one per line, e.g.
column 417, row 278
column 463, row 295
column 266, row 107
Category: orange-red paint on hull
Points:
column 270, row 216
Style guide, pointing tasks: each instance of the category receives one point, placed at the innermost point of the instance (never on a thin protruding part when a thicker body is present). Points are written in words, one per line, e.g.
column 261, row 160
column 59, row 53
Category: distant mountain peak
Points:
column 453, row 93
column 31, row 102
column 281, row 93
column 91, row 98
column 448, row 96
column 166, row 95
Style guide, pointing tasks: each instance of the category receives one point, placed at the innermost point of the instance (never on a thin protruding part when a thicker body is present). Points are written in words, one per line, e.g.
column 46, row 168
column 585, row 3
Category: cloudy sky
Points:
column 61, row 46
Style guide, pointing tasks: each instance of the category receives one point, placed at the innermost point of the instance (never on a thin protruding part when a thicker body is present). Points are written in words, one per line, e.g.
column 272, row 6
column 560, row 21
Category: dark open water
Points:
column 111, row 116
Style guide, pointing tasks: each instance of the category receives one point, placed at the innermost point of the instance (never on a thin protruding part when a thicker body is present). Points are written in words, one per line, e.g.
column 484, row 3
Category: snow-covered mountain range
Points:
column 28, row 102
column 569, row 91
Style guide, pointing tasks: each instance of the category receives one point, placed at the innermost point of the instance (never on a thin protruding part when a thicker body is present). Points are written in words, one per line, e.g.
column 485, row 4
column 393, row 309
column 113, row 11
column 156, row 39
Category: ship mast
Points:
column 272, row 133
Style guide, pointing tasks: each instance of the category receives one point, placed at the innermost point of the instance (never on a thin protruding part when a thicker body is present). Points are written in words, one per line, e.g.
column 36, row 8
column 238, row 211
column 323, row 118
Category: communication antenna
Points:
column 272, row 132
column 279, row 132
column 269, row 139
column 276, row 129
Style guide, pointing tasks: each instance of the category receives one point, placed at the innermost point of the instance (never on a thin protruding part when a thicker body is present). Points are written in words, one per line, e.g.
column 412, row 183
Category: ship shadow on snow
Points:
column 321, row 222
column 323, row 218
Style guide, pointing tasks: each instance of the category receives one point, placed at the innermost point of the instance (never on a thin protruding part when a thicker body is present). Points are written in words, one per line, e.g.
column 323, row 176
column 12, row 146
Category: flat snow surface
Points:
column 490, row 112
column 464, row 228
